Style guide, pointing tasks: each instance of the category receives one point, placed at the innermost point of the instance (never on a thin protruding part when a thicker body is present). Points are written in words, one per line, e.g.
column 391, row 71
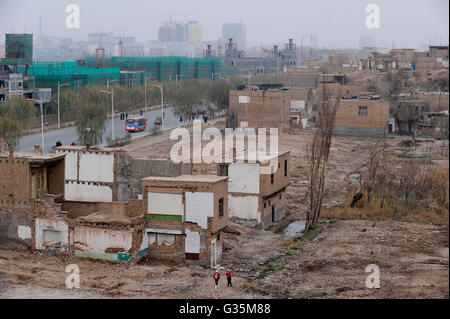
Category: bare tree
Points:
column 375, row 176
column 318, row 156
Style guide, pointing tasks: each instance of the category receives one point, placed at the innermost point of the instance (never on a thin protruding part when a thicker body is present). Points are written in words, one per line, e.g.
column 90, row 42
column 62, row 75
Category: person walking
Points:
column 216, row 278
column 229, row 284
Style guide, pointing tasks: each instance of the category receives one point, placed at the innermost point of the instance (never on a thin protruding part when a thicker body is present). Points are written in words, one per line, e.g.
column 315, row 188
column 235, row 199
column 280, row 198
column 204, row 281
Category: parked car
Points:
column 158, row 121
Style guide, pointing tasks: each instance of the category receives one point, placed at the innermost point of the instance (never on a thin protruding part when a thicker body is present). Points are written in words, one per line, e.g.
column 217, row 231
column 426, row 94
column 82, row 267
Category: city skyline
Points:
column 345, row 21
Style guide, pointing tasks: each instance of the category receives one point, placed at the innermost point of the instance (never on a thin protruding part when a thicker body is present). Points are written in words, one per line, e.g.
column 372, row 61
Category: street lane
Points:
column 69, row 135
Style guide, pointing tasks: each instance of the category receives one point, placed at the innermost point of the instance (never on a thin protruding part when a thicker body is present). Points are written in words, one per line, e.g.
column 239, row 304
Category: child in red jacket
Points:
column 216, row 278
column 229, row 279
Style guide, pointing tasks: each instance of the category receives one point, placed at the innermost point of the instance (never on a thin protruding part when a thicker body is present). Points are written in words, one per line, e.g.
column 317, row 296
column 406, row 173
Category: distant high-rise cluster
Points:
column 237, row 32
column 173, row 31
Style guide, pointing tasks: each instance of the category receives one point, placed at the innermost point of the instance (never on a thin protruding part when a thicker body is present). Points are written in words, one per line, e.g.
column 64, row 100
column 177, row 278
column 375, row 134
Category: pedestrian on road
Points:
column 229, row 279
column 126, row 116
column 216, row 278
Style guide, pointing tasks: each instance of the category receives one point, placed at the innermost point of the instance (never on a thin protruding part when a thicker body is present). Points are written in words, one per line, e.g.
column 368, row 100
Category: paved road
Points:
column 68, row 135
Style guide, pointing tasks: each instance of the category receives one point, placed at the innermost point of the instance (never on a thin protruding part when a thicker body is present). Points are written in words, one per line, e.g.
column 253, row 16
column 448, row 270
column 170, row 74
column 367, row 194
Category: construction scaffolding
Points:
column 19, row 49
column 166, row 69
column 49, row 74
column 128, row 72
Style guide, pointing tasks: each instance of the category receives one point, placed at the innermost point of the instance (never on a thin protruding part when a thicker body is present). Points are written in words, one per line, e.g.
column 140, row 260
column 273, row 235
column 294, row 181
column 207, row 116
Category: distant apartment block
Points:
column 237, row 32
column 174, row 31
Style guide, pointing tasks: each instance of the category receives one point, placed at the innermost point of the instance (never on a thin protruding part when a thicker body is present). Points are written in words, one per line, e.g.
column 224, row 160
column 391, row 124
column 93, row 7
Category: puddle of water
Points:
column 295, row 228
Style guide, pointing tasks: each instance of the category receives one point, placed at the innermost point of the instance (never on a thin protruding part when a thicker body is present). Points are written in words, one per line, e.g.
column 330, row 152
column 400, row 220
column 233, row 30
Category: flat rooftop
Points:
column 188, row 178
column 33, row 156
column 267, row 157
column 82, row 148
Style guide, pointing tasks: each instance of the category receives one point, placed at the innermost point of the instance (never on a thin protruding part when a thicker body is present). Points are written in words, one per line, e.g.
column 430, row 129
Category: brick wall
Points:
column 349, row 121
column 265, row 109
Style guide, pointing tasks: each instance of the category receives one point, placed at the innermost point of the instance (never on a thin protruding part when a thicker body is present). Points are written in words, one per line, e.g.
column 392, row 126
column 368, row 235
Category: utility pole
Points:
column 42, row 121
column 145, row 89
column 59, row 118
column 112, row 113
column 160, row 86
column 112, row 109
column 162, row 107
column 42, row 125
column 59, row 124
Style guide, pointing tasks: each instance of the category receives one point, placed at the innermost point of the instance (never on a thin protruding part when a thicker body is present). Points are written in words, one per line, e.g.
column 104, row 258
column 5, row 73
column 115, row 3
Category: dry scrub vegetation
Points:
column 389, row 186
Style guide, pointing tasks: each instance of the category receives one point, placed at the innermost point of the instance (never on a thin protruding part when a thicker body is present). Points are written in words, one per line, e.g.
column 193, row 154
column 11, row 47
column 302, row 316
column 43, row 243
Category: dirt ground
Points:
column 412, row 257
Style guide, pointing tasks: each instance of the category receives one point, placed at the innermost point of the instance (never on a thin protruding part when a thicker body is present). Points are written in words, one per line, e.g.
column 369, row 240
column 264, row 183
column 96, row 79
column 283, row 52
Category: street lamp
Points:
column 145, row 89
column 88, row 129
column 162, row 102
column 42, row 122
column 176, row 78
column 107, row 83
column 224, row 78
column 112, row 109
column 60, row 85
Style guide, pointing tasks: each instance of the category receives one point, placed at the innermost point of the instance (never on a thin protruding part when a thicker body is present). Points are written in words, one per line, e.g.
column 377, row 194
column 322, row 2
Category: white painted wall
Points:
column 144, row 243
column 87, row 193
column 245, row 207
column 97, row 167
column 305, row 123
column 243, row 178
column 165, row 239
column 152, row 238
column 71, row 165
column 199, row 206
column 97, row 240
column 244, row 99
column 192, row 242
column 24, row 232
column 213, row 253
column 55, row 225
column 165, row 204
column 94, row 167
column 297, row 105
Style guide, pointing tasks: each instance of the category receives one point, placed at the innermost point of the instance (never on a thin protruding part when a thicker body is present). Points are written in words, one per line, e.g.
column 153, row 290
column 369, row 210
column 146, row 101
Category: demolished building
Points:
column 68, row 202
column 185, row 217
column 257, row 189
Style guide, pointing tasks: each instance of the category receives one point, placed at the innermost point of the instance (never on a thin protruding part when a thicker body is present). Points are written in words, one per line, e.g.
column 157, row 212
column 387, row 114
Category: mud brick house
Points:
column 29, row 182
column 300, row 106
column 256, row 190
column 302, row 76
column 95, row 175
column 113, row 233
column 185, row 217
column 361, row 118
column 260, row 108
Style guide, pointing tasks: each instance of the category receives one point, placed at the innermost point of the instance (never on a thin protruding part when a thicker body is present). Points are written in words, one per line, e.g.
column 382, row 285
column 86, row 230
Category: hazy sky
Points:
column 337, row 23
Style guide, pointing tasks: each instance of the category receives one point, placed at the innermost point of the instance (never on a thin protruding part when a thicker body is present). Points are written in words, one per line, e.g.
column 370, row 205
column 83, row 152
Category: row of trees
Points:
column 89, row 108
column 15, row 115
column 187, row 96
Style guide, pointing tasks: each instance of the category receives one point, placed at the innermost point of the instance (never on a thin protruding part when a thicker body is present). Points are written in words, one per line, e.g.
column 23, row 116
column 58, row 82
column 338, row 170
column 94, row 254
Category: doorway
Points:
column 39, row 181
column 273, row 213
